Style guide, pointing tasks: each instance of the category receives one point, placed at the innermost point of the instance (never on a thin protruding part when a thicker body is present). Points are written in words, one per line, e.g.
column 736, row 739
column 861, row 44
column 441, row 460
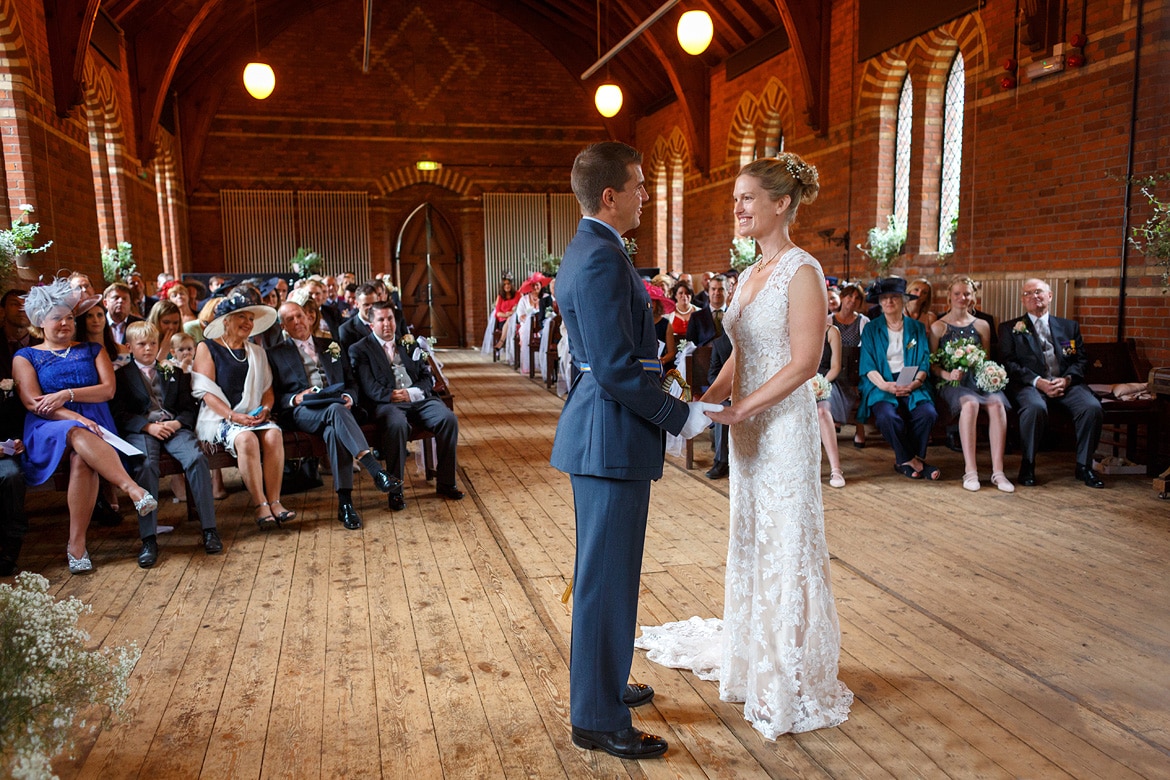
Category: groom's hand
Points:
column 697, row 420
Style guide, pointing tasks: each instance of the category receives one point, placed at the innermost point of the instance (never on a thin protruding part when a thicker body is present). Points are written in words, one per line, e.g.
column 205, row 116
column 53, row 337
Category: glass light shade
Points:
column 427, row 165
column 608, row 99
column 259, row 80
column 695, row 31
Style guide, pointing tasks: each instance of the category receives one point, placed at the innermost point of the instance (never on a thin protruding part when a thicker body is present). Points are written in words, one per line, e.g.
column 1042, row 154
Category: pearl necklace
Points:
column 233, row 353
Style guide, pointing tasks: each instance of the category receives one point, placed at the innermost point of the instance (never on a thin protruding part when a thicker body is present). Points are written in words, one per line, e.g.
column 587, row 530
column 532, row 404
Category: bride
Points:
column 776, row 648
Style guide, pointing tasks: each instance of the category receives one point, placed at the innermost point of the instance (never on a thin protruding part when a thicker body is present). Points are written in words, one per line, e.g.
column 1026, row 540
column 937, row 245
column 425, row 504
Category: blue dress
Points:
column 45, row 441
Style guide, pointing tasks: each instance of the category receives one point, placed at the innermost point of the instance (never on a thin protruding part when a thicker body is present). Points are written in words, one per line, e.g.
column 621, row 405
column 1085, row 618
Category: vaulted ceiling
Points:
column 179, row 47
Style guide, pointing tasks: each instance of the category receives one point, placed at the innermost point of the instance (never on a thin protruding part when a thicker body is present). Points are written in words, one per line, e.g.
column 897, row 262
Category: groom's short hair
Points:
column 601, row 166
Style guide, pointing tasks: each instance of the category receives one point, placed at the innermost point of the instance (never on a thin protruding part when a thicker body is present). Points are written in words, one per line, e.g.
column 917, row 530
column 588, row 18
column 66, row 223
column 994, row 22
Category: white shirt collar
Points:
column 608, row 226
column 142, row 367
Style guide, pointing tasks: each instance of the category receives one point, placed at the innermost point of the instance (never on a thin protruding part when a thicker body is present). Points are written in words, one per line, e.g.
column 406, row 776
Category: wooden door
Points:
column 430, row 269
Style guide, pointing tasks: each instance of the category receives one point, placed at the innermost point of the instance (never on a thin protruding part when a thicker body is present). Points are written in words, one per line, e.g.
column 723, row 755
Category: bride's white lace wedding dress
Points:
column 776, row 648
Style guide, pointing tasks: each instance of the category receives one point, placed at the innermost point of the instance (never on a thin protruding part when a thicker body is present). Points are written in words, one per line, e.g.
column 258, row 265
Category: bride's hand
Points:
column 728, row 415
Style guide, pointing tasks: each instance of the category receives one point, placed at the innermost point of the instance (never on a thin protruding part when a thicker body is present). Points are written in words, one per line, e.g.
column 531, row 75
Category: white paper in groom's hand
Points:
column 907, row 374
column 118, row 443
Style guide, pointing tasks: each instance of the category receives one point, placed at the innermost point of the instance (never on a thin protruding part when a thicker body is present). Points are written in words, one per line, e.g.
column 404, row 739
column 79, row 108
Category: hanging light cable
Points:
column 608, row 97
column 259, row 79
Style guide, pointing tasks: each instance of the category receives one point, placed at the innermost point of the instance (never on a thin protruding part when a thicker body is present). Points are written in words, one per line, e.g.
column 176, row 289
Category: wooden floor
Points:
column 984, row 635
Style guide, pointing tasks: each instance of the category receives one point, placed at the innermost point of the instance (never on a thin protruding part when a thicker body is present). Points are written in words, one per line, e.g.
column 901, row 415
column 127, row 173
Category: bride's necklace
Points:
column 783, row 247
column 232, row 351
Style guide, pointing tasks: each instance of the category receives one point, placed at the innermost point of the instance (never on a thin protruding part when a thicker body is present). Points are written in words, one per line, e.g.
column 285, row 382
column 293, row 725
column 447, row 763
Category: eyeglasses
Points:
column 1033, row 293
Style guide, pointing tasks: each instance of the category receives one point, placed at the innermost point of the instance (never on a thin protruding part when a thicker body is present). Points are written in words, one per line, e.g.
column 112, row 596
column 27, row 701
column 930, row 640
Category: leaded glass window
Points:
column 902, row 154
column 952, row 156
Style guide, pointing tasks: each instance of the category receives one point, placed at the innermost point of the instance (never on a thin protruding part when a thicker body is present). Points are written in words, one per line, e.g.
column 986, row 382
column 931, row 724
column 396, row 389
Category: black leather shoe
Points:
column 953, row 442
column 637, row 694
column 348, row 516
column 1027, row 475
column 718, row 471
column 627, row 743
column 449, row 491
column 211, row 542
column 386, row 483
column 397, row 501
column 149, row 555
column 104, row 514
column 1089, row 477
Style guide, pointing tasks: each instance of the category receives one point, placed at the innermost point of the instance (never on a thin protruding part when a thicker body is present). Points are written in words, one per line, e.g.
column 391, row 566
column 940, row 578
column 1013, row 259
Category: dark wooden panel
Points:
column 884, row 24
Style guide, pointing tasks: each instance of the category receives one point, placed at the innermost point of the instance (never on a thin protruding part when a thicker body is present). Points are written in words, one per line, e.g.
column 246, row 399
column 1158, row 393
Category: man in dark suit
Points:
column 357, row 327
column 1045, row 360
column 611, row 440
column 119, row 310
column 720, row 352
column 155, row 411
column 303, row 365
column 706, row 324
column 398, row 392
column 13, row 521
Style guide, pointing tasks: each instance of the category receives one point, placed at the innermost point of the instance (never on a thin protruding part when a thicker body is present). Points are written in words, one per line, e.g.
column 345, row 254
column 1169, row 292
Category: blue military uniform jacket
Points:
column 616, row 417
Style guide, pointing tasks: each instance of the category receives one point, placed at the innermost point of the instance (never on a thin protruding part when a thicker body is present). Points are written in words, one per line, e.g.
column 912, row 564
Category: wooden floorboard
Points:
column 984, row 635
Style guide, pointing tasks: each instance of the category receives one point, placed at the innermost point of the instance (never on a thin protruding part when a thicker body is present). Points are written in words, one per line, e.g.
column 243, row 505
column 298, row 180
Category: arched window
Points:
column 769, row 142
column 902, row 154
column 952, row 156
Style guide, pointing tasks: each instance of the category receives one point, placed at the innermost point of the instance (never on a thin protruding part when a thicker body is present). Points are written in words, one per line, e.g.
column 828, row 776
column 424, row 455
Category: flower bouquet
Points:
column 991, row 377
column 822, row 388
column 47, row 676
column 960, row 353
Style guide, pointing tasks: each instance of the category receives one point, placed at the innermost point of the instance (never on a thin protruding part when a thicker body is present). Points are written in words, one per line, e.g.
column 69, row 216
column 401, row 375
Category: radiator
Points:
column 1001, row 297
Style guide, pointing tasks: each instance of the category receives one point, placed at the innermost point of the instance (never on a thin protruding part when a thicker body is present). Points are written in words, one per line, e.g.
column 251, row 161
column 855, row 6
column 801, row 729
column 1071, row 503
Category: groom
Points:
column 610, row 440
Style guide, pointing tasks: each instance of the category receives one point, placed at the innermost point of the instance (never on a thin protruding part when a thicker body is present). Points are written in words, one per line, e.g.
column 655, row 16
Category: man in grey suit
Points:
column 302, row 366
column 611, row 439
column 1045, row 360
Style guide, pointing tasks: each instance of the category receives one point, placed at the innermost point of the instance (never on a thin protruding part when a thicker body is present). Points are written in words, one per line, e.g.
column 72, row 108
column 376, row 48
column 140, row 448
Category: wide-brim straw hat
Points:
column 891, row 285
column 263, row 316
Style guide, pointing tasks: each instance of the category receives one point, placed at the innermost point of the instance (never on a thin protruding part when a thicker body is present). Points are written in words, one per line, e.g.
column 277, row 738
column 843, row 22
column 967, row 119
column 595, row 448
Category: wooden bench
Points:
column 1112, row 363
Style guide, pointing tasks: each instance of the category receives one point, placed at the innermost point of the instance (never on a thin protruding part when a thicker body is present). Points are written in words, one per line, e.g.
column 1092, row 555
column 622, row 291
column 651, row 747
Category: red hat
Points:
column 656, row 294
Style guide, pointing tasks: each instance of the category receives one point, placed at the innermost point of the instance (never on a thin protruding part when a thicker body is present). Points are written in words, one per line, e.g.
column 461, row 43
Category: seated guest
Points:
column 182, row 352
column 662, row 305
column 357, row 327
column 155, row 412
column 348, row 301
column 958, row 390
column 177, row 293
column 234, row 380
column 65, row 385
column 167, row 320
column 13, row 521
column 507, row 298
column 706, row 324
column 302, row 366
column 830, row 369
column 720, row 353
column 397, row 390
column 119, row 310
column 851, row 324
column 1046, row 361
column 80, row 281
column 206, row 315
column 683, row 309
column 94, row 326
column 919, row 308
column 902, row 411
column 140, row 302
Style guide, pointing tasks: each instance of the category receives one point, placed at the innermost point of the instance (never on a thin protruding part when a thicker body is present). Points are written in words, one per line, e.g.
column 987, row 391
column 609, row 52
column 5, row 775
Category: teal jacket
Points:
column 874, row 341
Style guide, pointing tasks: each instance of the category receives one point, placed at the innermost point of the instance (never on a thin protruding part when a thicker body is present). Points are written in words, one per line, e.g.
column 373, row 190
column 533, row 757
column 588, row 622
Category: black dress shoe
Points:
column 1027, row 475
column 397, row 501
column 386, row 483
column 449, row 491
column 953, row 442
column 718, row 471
column 149, row 555
column 1089, row 477
column 211, row 541
column 627, row 743
column 348, row 516
column 104, row 514
column 637, row 694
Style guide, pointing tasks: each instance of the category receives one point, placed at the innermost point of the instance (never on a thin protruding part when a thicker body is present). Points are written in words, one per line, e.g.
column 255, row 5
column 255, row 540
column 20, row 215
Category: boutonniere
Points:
column 407, row 340
column 913, row 343
column 1070, row 348
column 7, row 386
column 334, row 351
column 167, row 371
column 1021, row 327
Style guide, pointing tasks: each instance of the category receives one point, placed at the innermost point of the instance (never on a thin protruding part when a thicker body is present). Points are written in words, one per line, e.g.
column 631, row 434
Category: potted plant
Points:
column 1152, row 237
column 884, row 245
column 18, row 241
column 306, row 262
column 118, row 264
column 48, row 677
column 552, row 263
column 743, row 253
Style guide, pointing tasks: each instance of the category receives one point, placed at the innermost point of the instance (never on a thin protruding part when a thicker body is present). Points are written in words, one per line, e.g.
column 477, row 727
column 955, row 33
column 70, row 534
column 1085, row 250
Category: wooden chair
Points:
column 552, row 355
column 698, row 366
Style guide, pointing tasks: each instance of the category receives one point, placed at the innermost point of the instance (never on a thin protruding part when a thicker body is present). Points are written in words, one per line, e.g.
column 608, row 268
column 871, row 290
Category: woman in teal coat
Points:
column 892, row 346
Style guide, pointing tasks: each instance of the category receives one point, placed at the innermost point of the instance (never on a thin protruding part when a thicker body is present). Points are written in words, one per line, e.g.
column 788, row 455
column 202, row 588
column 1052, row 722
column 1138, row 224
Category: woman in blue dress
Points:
column 965, row 399
column 65, row 385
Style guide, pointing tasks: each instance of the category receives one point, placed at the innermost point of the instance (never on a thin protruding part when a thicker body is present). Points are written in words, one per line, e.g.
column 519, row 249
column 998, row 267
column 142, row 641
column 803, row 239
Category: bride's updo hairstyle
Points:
column 785, row 174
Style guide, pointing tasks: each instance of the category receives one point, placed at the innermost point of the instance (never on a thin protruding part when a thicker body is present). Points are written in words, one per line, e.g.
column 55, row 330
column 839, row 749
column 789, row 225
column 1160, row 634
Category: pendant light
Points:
column 608, row 100
column 259, row 79
column 695, row 31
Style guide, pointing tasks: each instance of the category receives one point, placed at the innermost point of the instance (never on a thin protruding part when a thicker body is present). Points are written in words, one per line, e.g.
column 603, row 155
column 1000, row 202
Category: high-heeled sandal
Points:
column 836, row 478
column 971, row 481
column 265, row 521
column 285, row 516
column 82, row 565
column 145, row 505
column 1000, row 481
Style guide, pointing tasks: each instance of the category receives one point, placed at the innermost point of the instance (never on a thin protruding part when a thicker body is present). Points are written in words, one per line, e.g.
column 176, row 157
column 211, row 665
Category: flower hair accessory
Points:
column 57, row 294
column 802, row 172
